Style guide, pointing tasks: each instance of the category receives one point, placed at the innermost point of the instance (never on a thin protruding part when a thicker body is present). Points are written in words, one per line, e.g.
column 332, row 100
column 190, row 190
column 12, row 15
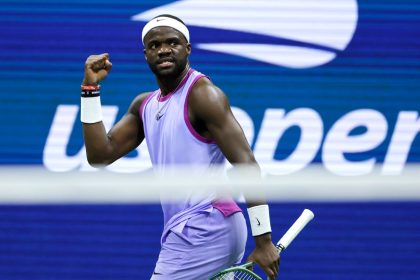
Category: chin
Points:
column 167, row 72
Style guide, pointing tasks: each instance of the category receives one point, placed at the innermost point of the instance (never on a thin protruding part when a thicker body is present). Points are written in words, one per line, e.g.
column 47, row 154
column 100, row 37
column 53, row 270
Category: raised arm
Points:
column 210, row 113
column 103, row 148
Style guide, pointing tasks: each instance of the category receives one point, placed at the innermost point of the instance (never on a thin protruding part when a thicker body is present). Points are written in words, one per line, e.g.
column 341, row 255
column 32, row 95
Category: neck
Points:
column 168, row 85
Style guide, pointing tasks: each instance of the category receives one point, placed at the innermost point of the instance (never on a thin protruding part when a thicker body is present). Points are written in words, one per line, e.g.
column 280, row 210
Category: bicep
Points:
column 126, row 134
column 230, row 137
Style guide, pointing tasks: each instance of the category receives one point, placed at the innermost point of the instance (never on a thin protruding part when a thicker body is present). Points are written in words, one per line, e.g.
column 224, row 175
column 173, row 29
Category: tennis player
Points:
column 186, row 121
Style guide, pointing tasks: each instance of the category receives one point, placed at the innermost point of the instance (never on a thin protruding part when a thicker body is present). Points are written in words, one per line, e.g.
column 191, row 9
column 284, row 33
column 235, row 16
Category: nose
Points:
column 164, row 50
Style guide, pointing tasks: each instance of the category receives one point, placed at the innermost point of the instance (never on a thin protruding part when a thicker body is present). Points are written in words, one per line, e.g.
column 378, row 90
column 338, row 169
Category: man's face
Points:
column 166, row 51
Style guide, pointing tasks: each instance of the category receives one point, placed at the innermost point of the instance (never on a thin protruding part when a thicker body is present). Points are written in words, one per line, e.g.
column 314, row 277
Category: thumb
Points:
column 251, row 258
column 108, row 65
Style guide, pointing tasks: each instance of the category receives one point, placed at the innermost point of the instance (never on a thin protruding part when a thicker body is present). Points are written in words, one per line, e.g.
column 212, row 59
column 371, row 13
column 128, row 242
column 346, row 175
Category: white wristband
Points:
column 90, row 109
column 259, row 218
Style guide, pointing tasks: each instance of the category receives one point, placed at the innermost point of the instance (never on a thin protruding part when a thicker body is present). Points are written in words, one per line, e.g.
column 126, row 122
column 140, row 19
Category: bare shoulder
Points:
column 137, row 102
column 207, row 102
column 205, row 92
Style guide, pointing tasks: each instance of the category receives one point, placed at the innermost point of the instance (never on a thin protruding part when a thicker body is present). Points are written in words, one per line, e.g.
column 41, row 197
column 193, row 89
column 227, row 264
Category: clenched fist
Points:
column 97, row 68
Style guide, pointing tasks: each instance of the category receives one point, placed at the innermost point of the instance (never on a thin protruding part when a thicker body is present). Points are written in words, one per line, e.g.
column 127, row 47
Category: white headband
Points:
column 165, row 21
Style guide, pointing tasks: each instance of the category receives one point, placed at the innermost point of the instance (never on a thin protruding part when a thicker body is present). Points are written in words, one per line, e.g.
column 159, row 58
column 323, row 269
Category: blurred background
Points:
column 331, row 83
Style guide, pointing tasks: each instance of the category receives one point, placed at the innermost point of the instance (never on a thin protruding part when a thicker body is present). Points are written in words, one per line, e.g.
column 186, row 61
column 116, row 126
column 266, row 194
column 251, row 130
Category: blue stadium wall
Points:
column 360, row 65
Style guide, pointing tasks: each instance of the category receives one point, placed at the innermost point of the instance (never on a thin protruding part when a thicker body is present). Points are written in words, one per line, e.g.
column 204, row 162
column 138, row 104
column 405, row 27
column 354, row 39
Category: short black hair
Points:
column 171, row 16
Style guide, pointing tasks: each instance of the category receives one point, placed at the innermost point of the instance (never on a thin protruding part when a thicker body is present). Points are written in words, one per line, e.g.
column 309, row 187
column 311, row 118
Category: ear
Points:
column 189, row 48
column 144, row 52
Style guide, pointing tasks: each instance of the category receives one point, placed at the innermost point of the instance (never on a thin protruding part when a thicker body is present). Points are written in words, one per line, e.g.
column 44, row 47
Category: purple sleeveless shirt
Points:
column 172, row 141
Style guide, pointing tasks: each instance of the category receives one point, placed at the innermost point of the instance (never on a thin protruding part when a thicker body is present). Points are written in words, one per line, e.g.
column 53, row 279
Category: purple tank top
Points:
column 172, row 141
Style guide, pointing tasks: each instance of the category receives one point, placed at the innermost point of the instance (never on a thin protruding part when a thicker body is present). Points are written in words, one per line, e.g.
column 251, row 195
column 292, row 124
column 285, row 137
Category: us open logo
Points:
column 288, row 33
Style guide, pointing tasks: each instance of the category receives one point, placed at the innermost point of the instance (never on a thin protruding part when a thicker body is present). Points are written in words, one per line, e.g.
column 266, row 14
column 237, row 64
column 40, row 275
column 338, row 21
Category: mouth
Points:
column 165, row 63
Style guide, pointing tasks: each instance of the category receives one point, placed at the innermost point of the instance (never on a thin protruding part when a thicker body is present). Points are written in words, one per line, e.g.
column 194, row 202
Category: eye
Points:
column 153, row 45
column 173, row 43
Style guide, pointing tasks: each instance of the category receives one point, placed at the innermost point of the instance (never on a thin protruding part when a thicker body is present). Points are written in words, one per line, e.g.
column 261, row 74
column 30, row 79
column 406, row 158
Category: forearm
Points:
column 249, row 169
column 258, row 210
column 97, row 143
column 96, row 140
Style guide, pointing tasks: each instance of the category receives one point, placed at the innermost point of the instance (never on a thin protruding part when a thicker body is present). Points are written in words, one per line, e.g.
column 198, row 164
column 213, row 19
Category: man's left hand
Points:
column 266, row 255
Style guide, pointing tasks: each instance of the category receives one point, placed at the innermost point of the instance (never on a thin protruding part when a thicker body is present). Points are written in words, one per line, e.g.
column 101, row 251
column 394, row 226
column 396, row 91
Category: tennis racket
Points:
column 243, row 272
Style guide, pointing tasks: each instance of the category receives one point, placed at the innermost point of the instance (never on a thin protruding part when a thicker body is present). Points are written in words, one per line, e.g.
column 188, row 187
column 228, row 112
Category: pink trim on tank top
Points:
column 187, row 119
column 184, row 80
column 144, row 103
column 227, row 206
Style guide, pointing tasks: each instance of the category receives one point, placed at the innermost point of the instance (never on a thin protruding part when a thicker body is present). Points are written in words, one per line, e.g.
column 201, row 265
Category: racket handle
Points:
column 306, row 216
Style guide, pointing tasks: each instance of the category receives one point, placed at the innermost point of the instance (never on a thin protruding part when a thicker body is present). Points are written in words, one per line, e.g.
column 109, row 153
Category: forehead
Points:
column 161, row 33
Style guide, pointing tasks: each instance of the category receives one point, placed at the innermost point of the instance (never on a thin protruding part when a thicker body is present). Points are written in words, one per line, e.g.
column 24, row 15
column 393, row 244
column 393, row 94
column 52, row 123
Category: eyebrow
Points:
column 172, row 38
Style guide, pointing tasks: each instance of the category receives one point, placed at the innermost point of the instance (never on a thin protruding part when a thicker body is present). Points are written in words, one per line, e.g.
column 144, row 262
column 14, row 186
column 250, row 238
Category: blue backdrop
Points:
column 304, row 76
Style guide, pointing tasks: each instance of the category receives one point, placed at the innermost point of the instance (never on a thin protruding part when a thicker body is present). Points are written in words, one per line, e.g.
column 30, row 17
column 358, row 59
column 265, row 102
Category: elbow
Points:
column 97, row 162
